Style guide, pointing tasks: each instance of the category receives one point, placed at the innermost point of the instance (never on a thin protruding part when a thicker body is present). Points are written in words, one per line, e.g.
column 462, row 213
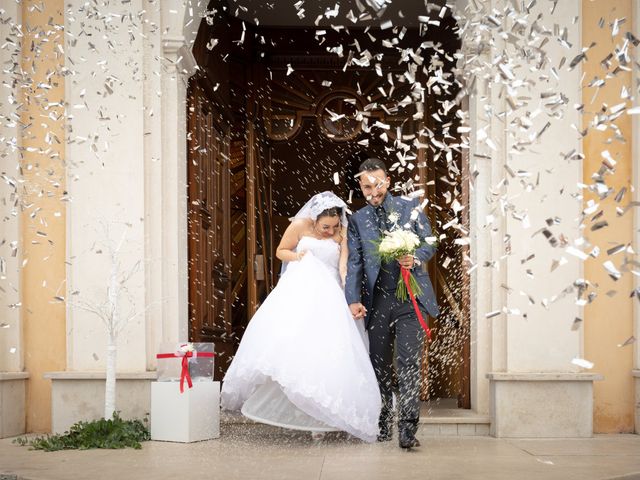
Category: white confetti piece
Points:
column 576, row 253
column 212, row 43
column 629, row 341
column 612, row 270
column 581, row 362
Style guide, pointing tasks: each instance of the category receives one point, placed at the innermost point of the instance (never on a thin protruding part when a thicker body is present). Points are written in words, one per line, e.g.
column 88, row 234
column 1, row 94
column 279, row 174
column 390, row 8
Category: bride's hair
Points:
column 330, row 212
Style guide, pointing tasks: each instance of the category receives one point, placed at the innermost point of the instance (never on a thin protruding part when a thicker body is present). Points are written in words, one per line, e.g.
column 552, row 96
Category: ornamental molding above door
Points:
column 344, row 105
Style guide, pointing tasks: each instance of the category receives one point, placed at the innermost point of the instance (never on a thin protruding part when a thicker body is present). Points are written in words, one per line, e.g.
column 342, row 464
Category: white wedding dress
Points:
column 302, row 362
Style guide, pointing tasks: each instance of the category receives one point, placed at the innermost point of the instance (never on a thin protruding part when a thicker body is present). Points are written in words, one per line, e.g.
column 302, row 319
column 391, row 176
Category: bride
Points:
column 302, row 362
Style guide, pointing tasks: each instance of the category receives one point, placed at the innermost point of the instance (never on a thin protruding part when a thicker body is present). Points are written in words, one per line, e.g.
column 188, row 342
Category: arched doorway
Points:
column 275, row 115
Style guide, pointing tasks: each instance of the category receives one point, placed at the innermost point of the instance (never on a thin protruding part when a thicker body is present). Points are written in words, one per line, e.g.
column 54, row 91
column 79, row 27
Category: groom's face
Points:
column 374, row 186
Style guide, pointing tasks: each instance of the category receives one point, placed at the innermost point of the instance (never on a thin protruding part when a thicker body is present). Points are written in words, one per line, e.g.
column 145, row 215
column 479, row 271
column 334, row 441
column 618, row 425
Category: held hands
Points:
column 407, row 261
column 358, row 311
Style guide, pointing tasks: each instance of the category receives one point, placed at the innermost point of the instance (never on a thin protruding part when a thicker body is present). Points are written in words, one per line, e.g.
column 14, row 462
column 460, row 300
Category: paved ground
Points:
column 262, row 452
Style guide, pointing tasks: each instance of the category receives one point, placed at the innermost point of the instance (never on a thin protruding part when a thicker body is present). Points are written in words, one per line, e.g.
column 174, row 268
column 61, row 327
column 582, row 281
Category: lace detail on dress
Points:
column 304, row 338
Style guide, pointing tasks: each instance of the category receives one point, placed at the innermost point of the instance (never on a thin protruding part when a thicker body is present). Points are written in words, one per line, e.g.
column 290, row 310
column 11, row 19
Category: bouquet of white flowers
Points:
column 398, row 243
column 395, row 243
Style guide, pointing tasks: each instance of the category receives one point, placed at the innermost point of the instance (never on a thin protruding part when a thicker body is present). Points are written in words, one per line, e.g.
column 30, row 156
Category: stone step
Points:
column 435, row 427
column 463, row 423
column 453, row 422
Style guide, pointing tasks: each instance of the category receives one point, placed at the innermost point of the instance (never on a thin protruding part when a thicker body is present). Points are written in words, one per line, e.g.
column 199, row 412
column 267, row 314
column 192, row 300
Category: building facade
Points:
column 96, row 151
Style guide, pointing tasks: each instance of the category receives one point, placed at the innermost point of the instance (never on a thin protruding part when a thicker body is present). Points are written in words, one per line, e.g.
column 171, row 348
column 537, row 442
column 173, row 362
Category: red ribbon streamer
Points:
column 184, row 374
column 406, row 275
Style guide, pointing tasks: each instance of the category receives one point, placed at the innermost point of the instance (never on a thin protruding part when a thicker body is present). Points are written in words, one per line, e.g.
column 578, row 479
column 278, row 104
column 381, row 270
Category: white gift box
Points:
column 191, row 416
column 201, row 362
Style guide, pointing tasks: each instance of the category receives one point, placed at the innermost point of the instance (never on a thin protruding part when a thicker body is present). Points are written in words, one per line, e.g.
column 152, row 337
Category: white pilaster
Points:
column 515, row 192
column 174, row 194
column 544, row 341
column 153, row 68
column 167, row 208
column 130, row 169
column 488, row 335
column 11, row 353
column 105, row 174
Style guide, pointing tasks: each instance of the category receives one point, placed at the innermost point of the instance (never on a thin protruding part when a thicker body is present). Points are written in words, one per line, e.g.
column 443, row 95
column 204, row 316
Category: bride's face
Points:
column 374, row 186
column 327, row 226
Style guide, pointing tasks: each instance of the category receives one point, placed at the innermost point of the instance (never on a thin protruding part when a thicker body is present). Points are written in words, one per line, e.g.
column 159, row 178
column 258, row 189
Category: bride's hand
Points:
column 300, row 254
column 358, row 310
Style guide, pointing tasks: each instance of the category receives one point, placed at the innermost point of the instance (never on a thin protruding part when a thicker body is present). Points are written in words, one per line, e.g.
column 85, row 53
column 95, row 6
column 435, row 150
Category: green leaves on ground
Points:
column 113, row 433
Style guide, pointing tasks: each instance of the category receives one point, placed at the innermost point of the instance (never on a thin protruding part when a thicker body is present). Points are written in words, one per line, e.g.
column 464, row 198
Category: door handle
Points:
column 258, row 267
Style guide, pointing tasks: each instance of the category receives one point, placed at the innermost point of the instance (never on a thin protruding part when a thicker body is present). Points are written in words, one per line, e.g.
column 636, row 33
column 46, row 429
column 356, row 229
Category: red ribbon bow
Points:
column 406, row 274
column 184, row 373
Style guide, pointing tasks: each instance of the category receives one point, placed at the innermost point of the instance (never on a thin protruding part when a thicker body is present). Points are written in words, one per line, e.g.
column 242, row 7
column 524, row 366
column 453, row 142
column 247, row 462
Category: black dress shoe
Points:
column 385, row 434
column 407, row 439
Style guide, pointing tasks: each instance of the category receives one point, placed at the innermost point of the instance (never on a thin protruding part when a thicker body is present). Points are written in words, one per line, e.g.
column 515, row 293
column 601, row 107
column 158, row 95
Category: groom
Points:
column 370, row 290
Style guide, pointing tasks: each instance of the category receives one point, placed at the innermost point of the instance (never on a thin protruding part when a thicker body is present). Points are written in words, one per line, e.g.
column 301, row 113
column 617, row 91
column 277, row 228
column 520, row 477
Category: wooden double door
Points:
column 251, row 168
column 229, row 222
column 217, row 216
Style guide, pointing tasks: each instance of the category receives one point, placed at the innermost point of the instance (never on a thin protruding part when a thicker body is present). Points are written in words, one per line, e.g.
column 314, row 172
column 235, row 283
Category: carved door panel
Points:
column 210, row 256
column 320, row 122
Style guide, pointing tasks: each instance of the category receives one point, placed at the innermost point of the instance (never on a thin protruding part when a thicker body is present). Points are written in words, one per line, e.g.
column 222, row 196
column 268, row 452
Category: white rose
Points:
column 386, row 245
column 398, row 242
column 408, row 239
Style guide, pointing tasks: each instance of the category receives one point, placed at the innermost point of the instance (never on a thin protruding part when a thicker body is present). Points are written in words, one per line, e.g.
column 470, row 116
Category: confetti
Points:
column 613, row 272
column 629, row 341
column 411, row 106
column 581, row 362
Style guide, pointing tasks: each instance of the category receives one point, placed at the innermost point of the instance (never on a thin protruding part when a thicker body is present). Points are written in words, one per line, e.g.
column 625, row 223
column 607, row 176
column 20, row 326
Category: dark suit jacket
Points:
column 364, row 261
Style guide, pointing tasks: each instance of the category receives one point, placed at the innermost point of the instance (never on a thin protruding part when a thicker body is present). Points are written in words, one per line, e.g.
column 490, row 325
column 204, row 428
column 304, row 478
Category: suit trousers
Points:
column 392, row 321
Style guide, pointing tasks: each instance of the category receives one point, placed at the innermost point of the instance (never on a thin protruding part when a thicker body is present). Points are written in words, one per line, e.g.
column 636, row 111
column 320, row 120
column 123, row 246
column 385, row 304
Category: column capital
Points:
column 171, row 44
column 176, row 52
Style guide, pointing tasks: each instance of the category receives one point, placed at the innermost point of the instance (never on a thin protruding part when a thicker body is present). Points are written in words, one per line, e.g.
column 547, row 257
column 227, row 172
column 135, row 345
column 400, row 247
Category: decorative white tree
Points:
column 109, row 309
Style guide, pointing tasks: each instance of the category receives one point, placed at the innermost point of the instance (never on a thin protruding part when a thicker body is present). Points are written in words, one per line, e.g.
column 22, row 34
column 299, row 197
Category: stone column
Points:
column 167, row 173
column 521, row 314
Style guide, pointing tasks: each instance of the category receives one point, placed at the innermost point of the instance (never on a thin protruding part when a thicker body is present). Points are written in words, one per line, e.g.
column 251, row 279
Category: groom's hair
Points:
column 372, row 164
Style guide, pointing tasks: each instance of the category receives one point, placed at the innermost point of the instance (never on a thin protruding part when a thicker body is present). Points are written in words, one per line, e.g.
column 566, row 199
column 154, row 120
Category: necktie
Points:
column 382, row 218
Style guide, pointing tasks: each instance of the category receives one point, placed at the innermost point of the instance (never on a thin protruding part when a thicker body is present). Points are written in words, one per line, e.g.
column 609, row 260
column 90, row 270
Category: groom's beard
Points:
column 377, row 200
